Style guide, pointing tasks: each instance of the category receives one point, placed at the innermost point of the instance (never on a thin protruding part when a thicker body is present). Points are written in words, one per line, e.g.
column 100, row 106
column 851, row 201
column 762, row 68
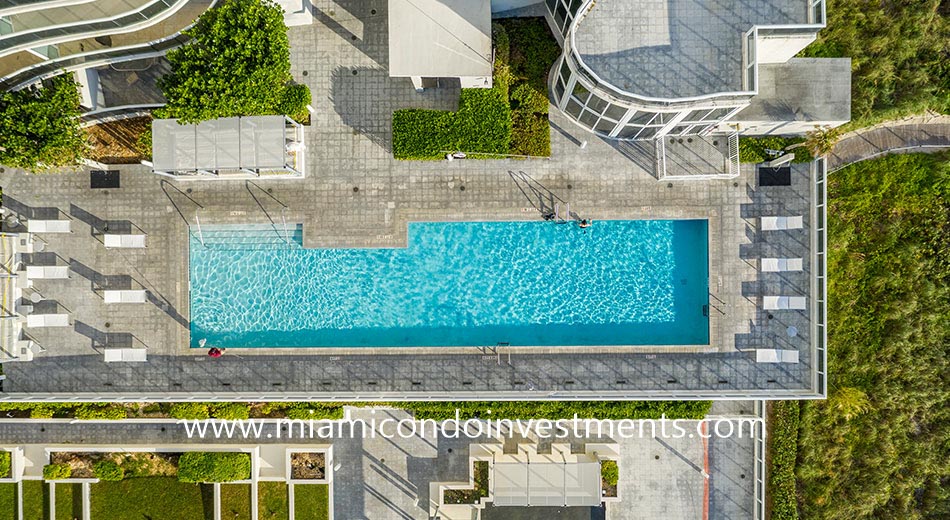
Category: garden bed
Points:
column 133, row 464
column 510, row 118
column 273, row 502
column 236, row 501
column 155, row 497
column 68, row 501
column 474, row 495
column 308, row 466
column 8, row 501
column 609, row 477
column 35, row 499
column 311, row 502
column 119, row 142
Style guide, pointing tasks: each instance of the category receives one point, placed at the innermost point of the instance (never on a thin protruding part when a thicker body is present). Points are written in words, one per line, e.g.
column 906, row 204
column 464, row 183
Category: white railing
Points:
column 760, row 471
column 820, row 266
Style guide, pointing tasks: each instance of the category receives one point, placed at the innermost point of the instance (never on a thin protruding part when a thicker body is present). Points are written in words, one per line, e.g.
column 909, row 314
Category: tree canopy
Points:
column 39, row 126
column 237, row 63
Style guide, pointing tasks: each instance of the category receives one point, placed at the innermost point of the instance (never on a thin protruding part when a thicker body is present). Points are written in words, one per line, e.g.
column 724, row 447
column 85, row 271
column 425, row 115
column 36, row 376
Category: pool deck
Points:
column 348, row 148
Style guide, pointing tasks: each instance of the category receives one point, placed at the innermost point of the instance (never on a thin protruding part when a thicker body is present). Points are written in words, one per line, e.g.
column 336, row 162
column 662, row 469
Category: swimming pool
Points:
column 622, row 282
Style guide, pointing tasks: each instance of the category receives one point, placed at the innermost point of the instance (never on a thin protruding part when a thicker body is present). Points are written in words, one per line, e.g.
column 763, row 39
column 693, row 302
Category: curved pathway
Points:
column 929, row 133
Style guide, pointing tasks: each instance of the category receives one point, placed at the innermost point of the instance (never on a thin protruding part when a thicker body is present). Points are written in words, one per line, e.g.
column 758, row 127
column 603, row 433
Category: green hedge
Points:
column 190, row 411
column 753, row 149
column 57, row 471
column 783, row 450
column 5, row 464
column 200, row 466
column 482, row 124
column 108, row 471
column 509, row 118
column 100, row 411
column 559, row 409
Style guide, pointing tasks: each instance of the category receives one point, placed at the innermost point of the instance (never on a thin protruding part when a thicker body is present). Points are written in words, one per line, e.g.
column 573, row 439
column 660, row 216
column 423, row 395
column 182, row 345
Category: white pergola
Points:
column 229, row 147
column 547, row 484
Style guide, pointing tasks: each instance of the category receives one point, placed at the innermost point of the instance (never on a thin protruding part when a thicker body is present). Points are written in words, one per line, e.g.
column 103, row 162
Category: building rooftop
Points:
column 675, row 48
column 440, row 38
column 803, row 89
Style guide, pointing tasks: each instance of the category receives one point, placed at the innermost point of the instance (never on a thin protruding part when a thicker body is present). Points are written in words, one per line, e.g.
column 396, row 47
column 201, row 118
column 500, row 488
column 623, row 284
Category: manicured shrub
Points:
column 294, row 101
column 558, row 409
column 98, row 411
column 526, row 98
column 231, row 411
column 200, row 467
column 5, row 464
column 609, row 472
column 57, row 471
column 190, row 411
column 108, row 471
column 753, row 149
column 530, row 134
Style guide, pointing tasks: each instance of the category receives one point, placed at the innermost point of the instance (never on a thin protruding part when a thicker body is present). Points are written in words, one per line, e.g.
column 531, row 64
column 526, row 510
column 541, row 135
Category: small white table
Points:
column 792, row 331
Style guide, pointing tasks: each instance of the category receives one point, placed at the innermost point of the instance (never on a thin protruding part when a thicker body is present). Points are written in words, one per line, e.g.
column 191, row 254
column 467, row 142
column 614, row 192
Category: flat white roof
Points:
column 228, row 143
column 547, row 484
column 440, row 38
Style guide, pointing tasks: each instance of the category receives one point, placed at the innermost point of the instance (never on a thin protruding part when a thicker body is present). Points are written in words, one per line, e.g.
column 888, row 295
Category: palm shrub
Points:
column 199, row 466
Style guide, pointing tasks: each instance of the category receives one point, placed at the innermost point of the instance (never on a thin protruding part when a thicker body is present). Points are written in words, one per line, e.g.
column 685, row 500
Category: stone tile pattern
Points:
column 348, row 148
column 690, row 48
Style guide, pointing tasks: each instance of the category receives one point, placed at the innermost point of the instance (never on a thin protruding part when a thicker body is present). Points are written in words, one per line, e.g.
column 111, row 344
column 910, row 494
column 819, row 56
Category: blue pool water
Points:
column 633, row 282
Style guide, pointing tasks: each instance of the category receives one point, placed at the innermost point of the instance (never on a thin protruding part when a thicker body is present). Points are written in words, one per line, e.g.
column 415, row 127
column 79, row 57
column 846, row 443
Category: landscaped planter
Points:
column 92, row 466
column 308, row 466
column 609, row 475
column 472, row 495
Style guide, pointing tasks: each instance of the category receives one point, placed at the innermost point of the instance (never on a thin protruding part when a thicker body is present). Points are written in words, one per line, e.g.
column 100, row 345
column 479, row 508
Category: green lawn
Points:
column 68, row 501
column 235, row 502
column 7, row 501
column 152, row 497
column 311, row 501
column 877, row 448
column 272, row 501
column 35, row 500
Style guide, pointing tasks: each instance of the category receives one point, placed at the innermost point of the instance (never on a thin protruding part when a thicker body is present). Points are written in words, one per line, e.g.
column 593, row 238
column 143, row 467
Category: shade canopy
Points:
column 220, row 145
column 547, row 484
column 440, row 38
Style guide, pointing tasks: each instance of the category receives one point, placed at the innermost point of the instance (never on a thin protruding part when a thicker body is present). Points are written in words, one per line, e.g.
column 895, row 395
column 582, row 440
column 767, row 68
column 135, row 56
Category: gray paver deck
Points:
column 348, row 147
column 382, row 479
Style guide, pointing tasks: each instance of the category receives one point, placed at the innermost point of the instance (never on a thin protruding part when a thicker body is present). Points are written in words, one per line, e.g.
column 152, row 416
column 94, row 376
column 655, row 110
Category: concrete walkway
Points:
column 928, row 133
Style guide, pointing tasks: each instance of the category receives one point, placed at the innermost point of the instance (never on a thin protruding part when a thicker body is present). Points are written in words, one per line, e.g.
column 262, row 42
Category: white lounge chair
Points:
column 124, row 241
column 113, row 355
column 769, row 355
column 777, row 265
column 52, row 272
column 47, row 320
column 780, row 223
column 771, row 303
column 49, row 226
column 126, row 296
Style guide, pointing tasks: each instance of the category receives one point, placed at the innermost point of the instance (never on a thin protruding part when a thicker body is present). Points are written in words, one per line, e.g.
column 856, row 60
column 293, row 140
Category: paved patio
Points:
column 378, row 478
column 356, row 195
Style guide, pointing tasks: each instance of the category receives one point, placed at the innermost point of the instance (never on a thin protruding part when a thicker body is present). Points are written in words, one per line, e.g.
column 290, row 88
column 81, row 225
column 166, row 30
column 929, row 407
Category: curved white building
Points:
column 644, row 69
